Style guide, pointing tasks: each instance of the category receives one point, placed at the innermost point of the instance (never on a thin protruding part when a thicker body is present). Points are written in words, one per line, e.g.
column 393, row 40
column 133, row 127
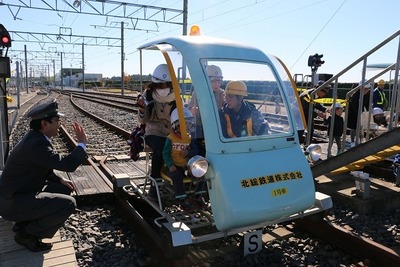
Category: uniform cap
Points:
column 381, row 82
column 45, row 110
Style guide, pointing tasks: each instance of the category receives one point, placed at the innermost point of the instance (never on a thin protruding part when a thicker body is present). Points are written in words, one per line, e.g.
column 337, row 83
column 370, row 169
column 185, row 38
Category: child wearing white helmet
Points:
column 337, row 121
column 155, row 107
column 178, row 149
column 214, row 74
column 379, row 117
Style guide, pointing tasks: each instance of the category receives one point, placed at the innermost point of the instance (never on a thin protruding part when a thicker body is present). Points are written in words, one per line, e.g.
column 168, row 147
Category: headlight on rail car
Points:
column 313, row 152
column 198, row 166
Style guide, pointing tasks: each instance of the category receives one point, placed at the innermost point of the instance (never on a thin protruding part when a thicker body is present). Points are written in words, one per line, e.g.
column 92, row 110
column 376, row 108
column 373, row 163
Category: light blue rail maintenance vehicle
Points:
column 256, row 178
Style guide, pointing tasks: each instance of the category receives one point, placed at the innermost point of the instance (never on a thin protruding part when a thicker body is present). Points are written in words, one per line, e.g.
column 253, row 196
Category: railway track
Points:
column 370, row 252
column 366, row 251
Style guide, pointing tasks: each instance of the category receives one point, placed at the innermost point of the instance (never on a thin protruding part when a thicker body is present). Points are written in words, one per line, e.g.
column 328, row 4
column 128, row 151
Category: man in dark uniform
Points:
column 31, row 194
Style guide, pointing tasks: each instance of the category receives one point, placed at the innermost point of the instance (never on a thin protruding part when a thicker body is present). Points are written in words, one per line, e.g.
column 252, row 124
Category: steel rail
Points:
column 361, row 247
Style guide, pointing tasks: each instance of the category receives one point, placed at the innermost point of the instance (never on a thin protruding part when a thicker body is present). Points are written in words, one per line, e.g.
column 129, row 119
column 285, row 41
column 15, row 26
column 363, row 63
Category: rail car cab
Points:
column 256, row 170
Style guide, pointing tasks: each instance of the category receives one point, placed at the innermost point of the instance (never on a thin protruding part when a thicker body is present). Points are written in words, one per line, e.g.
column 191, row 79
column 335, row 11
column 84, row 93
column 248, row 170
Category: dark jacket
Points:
column 379, row 99
column 354, row 103
column 305, row 99
column 32, row 162
column 239, row 121
column 338, row 125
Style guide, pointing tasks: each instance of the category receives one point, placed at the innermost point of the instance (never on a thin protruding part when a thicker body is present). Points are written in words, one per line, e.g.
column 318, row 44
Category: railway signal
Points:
column 314, row 61
column 5, row 39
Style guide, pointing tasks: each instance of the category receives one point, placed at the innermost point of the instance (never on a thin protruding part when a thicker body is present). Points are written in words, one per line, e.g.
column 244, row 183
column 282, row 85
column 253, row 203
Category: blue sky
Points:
column 341, row 30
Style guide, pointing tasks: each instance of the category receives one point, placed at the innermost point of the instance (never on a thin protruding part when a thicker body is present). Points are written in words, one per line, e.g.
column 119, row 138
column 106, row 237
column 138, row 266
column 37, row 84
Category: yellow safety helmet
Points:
column 236, row 88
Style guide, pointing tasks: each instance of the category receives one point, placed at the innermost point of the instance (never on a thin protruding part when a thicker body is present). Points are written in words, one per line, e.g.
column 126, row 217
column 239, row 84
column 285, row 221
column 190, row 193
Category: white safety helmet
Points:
column 214, row 73
column 161, row 74
column 337, row 105
column 366, row 85
column 376, row 111
column 186, row 114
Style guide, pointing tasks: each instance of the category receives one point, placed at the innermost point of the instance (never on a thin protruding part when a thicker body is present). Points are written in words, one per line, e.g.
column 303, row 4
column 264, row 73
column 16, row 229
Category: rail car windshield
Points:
column 248, row 100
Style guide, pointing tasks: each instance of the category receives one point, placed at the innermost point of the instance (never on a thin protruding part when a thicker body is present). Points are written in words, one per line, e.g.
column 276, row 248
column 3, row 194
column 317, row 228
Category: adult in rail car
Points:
column 155, row 108
column 238, row 116
column 31, row 194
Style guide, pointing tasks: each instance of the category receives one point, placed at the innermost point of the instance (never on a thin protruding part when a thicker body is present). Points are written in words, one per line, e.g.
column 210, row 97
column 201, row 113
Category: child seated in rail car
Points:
column 177, row 151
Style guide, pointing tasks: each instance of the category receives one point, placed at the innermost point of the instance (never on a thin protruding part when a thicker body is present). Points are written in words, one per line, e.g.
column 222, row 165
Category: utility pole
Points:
column 83, row 66
column 61, row 72
column 54, row 74
column 122, row 58
column 26, row 71
column 184, row 33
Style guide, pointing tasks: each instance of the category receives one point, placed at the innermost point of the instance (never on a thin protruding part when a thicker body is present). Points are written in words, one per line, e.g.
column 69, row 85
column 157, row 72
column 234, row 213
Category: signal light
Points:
column 314, row 61
column 5, row 39
column 194, row 30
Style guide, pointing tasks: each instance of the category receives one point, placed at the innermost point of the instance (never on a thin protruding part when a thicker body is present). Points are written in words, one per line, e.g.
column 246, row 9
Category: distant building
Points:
column 75, row 79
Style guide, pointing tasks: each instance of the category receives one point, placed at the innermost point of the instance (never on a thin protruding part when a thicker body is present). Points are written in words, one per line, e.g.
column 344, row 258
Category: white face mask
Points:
column 163, row 92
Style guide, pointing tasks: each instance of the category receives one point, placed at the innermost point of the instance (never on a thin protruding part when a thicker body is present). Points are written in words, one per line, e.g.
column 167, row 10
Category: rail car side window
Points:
column 252, row 103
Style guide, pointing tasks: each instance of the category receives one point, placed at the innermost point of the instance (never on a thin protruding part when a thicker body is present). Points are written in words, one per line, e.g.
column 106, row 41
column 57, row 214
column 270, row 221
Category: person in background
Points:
column 338, row 124
column 31, row 194
column 354, row 103
column 379, row 117
column 305, row 99
column 239, row 117
column 178, row 149
column 379, row 99
column 155, row 107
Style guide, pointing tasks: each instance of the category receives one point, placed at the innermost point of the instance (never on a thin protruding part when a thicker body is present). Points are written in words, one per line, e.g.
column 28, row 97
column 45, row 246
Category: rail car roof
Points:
column 207, row 47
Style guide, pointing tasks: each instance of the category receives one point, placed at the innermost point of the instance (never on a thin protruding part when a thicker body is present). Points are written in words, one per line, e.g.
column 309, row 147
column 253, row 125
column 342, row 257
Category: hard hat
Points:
column 376, row 111
column 214, row 72
column 236, row 88
column 186, row 114
column 337, row 105
column 366, row 85
column 381, row 82
column 161, row 74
